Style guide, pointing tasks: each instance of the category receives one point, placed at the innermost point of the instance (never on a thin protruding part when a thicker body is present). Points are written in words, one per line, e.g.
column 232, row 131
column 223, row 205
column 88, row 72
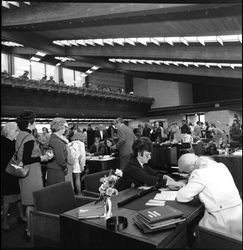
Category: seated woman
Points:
column 109, row 142
column 98, row 148
column 215, row 186
column 138, row 173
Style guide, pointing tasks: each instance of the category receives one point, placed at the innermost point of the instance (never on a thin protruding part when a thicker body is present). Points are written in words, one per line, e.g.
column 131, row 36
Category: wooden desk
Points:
column 93, row 232
column 97, row 164
column 234, row 164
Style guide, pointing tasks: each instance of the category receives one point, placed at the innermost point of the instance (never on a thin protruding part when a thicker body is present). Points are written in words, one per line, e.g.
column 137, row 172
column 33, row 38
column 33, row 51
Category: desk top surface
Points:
column 100, row 158
column 190, row 211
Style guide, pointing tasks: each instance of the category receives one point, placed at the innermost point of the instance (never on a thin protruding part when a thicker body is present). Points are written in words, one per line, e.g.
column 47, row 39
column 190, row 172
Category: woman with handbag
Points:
column 10, row 183
column 29, row 153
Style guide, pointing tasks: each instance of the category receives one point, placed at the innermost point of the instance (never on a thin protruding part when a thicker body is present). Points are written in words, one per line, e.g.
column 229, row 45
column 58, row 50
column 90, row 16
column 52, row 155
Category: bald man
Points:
column 215, row 186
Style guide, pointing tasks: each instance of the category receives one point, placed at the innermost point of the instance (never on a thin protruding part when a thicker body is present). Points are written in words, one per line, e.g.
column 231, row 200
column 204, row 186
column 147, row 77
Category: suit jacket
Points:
column 59, row 161
column 135, row 174
column 126, row 139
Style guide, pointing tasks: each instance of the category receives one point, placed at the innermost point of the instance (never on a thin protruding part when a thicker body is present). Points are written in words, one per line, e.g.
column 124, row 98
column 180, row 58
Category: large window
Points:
column 79, row 79
column 52, row 71
column 20, row 65
column 37, row 70
column 4, row 62
column 68, row 76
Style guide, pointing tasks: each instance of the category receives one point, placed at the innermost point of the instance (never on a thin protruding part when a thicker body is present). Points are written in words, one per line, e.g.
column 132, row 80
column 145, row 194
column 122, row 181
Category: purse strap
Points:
column 21, row 145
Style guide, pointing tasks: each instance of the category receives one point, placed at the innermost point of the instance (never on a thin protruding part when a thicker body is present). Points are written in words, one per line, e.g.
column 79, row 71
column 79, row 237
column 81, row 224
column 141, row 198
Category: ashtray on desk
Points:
column 116, row 223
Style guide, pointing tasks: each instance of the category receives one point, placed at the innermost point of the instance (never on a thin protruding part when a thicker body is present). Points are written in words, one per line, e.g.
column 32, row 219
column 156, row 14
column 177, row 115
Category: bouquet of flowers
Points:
column 108, row 182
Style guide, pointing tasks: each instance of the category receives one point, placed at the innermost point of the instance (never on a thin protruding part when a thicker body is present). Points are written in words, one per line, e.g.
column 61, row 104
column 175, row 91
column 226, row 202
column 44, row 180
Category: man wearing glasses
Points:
column 139, row 173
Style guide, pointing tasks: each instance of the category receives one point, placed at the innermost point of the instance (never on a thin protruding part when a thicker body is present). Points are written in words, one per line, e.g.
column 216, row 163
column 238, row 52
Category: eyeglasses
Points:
column 147, row 154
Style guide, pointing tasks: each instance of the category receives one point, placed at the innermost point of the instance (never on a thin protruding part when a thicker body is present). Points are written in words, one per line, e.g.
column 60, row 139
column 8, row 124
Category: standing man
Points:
column 125, row 141
column 90, row 136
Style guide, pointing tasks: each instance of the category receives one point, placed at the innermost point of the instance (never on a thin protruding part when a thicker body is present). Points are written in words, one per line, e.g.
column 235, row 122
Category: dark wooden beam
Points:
column 183, row 70
column 211, row 52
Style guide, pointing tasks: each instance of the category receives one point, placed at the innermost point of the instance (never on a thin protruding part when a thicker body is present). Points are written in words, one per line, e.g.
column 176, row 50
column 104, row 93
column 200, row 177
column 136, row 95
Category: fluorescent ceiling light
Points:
column 14, row 3
column 88, row 71
column 40, row 53
column 12, row 44
column 95, row 68
column 58, row 43
column 119, row 41
column 155, row 41
column 130, row 41
column 33, row 58
column 99, row 41
column 81, row 42
column 109, row 41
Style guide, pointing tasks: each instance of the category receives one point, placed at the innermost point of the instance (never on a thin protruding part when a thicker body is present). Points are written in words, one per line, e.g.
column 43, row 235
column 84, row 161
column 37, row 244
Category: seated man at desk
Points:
column 215, row 186
column 138, row 173
column 98, row 148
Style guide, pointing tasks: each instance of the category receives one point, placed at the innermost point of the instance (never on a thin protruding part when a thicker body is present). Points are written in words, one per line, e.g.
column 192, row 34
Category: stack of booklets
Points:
column 158, row 218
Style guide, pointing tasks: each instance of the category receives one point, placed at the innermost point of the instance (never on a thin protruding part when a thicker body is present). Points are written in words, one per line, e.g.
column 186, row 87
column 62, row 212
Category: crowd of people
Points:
column 61, row 156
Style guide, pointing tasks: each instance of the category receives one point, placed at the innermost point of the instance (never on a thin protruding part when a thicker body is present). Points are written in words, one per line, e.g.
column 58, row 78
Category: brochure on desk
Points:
column 91, row 211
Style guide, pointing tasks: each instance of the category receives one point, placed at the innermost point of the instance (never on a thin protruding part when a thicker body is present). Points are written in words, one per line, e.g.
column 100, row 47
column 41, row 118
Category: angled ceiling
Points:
column 37, row 25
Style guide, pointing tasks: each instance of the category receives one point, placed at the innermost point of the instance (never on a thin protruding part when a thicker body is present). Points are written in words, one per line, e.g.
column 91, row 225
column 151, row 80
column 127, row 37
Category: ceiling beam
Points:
column 34, row 41
column 40, row 43
column 183, row 70
column 49, row 16
column 210, row 52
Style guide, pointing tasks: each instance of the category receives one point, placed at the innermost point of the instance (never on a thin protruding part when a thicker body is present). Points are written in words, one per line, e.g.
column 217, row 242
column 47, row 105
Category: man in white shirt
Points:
column 215, row 186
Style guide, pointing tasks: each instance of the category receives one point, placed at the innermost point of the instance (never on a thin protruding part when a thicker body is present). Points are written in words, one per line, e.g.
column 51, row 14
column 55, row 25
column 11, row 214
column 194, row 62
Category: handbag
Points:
column 15, row 167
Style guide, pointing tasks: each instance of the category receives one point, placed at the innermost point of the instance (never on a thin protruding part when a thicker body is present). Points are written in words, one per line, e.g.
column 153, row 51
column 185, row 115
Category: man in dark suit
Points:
column 125, row 141
column 138, row 173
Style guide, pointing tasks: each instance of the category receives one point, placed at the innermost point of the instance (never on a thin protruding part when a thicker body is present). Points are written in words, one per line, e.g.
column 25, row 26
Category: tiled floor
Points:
column 14, row 238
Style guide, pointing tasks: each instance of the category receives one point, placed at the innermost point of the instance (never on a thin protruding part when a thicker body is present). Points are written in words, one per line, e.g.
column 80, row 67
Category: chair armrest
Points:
column 80, row 201
column 91, row 194
column 44, row 228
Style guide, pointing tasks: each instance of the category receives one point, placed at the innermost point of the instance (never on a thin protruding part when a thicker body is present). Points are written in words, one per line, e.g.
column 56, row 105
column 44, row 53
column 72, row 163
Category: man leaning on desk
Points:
column 138, row 173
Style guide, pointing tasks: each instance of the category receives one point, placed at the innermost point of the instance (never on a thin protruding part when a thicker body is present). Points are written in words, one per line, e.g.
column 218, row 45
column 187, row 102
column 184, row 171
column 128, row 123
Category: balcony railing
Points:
column 96, row 93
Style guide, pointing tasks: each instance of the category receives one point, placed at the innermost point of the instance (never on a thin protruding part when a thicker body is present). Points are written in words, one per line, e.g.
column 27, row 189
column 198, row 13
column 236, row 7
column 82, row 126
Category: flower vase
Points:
column 107, row 208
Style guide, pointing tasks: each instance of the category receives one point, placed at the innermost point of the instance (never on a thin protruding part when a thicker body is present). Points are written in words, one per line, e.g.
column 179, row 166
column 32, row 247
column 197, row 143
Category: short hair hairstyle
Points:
column 119, row 119
column 142, row 144
column 8, row 128
column 25, row 118
column 46, row 129
column 57, row 124
column 186, row 162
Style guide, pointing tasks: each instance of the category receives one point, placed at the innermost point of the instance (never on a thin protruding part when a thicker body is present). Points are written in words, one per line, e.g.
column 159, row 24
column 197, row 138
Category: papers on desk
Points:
column 144, row 187
column 166, row 196
column 238, row 152
column 155, row 203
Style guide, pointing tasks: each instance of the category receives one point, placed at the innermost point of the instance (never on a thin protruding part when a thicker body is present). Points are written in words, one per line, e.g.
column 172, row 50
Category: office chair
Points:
column 50, row 202
column 92, row 183
column 210, row 239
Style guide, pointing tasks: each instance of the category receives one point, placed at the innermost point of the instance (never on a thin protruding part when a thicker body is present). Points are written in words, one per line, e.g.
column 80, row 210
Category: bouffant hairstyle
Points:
column 25, row 118
column 142, row 144
column 57, row 124
column 8, row 128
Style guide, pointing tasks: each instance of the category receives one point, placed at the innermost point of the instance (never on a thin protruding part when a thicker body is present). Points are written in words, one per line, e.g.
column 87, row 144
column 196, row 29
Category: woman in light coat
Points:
column 215, row 186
